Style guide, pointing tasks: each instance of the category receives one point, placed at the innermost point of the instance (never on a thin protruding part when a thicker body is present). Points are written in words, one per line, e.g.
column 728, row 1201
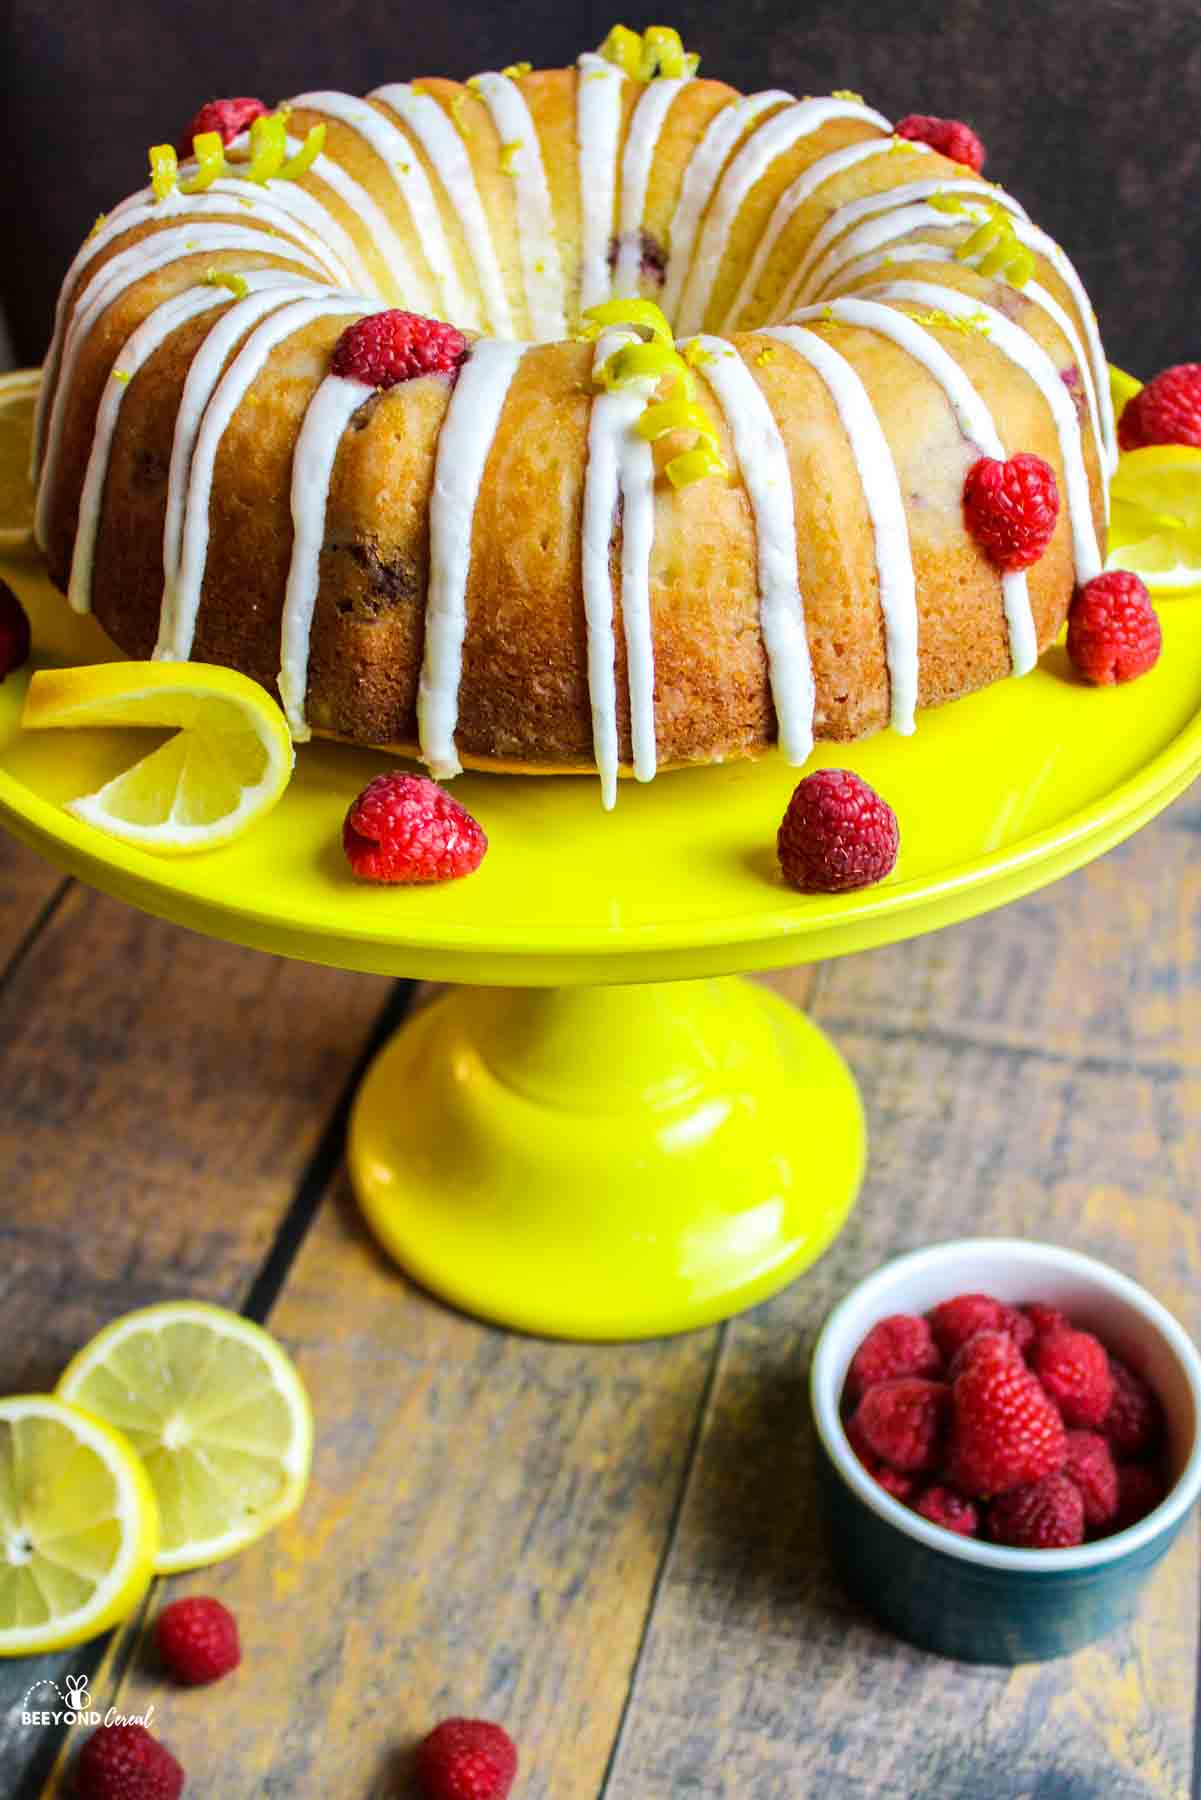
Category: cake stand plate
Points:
column 558, row 1147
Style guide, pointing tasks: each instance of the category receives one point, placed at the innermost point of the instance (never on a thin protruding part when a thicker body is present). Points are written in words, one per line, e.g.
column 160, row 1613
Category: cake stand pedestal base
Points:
column 607, row 1162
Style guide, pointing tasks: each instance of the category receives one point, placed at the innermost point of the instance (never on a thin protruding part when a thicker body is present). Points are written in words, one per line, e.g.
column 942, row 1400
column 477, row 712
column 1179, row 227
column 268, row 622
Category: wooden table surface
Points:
column 611, row 1549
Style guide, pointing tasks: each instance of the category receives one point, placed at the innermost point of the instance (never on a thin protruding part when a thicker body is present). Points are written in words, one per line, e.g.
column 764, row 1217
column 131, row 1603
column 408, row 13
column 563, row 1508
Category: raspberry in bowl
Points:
column 910, row 1486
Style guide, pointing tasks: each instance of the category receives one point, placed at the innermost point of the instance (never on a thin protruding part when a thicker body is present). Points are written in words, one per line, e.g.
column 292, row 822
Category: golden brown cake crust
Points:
column 524, row 697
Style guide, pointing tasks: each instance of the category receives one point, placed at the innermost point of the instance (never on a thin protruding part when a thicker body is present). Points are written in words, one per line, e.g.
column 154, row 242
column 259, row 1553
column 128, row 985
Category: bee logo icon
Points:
column 77, row 1695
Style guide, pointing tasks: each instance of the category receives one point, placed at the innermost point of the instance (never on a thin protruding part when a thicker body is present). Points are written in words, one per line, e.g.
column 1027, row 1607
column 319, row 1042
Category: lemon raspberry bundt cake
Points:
column 684, row 470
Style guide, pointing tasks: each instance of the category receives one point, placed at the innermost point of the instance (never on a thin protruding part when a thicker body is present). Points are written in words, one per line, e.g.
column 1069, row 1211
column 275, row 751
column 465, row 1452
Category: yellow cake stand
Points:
column 607, row 1135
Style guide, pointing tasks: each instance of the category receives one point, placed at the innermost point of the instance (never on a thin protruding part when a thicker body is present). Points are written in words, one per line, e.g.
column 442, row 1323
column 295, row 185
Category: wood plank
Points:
column 160, row 1098
column 28, row 886
column 485, row 1526
column 1036, row 1072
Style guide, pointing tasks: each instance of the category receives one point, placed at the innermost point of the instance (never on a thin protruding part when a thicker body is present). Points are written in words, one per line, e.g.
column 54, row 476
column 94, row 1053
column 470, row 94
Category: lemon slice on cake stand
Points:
column 603, row 1131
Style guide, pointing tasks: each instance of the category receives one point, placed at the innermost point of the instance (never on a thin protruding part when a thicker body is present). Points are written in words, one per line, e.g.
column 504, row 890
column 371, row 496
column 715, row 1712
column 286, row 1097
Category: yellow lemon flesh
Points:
column 1155, row 527
column 226, row 766
column 217, row 1412
column 79, row 1526
column 18, row 396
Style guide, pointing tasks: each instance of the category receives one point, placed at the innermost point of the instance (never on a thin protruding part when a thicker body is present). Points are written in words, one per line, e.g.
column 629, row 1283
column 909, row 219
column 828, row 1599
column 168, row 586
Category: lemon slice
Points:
column 1122, row 388
column 18, row 396
column 1155, row 527
column 218, row 1414
column 79, row 1529
column 226, row 766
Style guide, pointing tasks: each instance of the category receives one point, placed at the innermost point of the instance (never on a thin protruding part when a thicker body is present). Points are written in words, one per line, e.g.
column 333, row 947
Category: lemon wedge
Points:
column 79, row 1528
column 226, row 766
column 1122, row 387
column 1155, row 527
column 18, row 397
column 217, row 1412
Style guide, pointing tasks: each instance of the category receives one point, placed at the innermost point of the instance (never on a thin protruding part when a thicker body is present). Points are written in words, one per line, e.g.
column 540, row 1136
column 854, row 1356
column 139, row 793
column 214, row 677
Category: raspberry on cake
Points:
column 571, row 552
column 1011, row 508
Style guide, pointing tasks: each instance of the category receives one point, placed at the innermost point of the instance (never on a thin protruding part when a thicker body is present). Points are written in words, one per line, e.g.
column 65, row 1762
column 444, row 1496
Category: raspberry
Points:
column 466, row 1759
column 1010, row 508
column 229, row 117
column 388, row 347
column 406, row 829
column 1134, row 1423
column 943, row 1506
column 1091, row 1467
column 1045, row 1515
column 902, row 1422
column 950, row 137
column 1005, row 1431
column 1044, row 1318
column 123, row 1762
column 898, row 1345
column 836, row 834
column 1074, row 1370
column 1140, row 1490
column 891, row 1480
column 980, row 1348
column 953, row 1322
column 1166, row 411
column 1113, row 633
column 14, row 632
column 198, row 1640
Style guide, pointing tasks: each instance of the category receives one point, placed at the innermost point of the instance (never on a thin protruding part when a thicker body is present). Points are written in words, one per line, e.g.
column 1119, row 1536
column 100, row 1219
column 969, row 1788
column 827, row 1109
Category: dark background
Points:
column 1091, row 112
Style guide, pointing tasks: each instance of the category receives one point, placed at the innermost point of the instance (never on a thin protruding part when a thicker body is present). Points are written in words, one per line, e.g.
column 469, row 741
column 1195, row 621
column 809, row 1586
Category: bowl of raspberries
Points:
column 1009, row 1440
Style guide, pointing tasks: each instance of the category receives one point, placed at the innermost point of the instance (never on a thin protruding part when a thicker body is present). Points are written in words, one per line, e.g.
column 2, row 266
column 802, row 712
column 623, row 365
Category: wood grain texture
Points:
column 160, row 1096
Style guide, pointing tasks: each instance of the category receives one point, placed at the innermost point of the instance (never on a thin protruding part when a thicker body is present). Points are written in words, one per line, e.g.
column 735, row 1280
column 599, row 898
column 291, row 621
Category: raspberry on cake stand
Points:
column 602, row 1131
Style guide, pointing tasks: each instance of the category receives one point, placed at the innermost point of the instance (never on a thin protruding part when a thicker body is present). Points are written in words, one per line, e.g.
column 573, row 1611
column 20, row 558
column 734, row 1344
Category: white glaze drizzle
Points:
column 886, row 508
column 399, row 156
column 701, row 176
column 598, row 129
column 444, row 146
column 466, row 437
column 1030, row 357
column 267, row 291
column 137, row 349
column 541, row 264
column 763, row 466
column 811, row 271
column 642, row 140
column 145, row 257
column 792, row 199
column 976, row 423
column 620, row 467
column 773, row 139
column 329, row 412
column 228, row 395
column 1032, row 291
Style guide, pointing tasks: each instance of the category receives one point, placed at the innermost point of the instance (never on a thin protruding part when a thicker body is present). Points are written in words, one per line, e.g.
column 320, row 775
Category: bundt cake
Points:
column 757, row 535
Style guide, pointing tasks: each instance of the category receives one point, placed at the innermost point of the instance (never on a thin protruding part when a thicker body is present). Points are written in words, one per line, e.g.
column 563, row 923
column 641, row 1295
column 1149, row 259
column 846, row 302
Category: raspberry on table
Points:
column 901, row 1344
column 1166, row 411
column 405, row 829
column 1134, row 1423
column 903, row 1421
column 1005, row 1431
column 385, row 348
column 950, row 137
column 1140, row 1490
column 14, row 632
column 1010, row 508
column 943, row 1506
column 466, row 1759
column 197, row 1639
column 1073, row 1367
column 1091, row 1467
column 124, row 1762
column 1113, row 630
column 228, row 117
column 837, row 834
column 1044, row 1515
